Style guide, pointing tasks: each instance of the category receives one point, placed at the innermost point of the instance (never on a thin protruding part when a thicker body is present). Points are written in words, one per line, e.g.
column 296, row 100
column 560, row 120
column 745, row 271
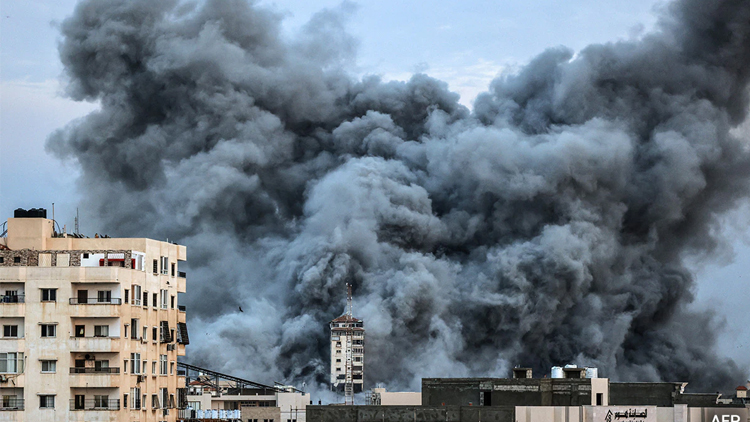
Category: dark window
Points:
column 145, row 298
column 156, row 300
column 172, row 302
column 599, row 397
column 127, row 295
column 49, row 295
column 17, row 260
column 80, row 331
column 156, row 266
column 173, row 266
column 85, row 255
column 153, row 333
column 10, row 330
column 2, row 259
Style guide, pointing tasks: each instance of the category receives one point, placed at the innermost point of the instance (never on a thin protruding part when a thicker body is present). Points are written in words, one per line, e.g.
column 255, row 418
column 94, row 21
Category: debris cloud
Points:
column 547, row 225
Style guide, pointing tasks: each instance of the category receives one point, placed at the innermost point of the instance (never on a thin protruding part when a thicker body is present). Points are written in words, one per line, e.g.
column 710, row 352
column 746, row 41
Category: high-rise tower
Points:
column 347, row 352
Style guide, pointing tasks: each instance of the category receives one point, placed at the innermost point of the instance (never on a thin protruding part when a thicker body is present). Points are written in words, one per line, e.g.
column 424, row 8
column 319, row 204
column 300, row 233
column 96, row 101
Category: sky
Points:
column 465, row 44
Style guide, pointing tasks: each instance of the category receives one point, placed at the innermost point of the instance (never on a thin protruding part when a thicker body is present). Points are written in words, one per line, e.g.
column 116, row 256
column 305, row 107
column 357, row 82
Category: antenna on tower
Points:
column 348, row 299
column 77, row 221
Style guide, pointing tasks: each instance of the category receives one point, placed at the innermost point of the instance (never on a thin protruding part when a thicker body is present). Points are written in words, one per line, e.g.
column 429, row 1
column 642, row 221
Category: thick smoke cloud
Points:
column 547, row 226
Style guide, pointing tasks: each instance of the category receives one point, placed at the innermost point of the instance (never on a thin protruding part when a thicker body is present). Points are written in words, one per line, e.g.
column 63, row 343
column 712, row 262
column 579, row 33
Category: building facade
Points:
column 92, row 328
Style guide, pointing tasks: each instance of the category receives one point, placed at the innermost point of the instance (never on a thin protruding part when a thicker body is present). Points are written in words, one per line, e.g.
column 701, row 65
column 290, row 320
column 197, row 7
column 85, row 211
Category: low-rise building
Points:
column 213, row 395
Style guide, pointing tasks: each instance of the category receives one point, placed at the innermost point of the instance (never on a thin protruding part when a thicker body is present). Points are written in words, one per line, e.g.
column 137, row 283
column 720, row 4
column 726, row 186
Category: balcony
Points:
column 93, row 404
column 100, row 310
column 12, row 299
column 96, row 301
column 94, row 344
column 11, row 403
column 91, row 370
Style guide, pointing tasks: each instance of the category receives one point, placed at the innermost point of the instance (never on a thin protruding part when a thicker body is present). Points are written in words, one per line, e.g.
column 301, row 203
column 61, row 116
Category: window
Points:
column 10, row 330
column 173, row 268
column 101, row 402
column 145, row 299
column 49, row 330
column 162, row 364
column 164, row 296
column 47, row 402
column 172, row 302
column 104, row 296
column 16, row 259
column 155, row 301
column 101, row 330
column 135, row 363
column 2, row 260
column 101, row 365
column 134, row 328
column 153, row 334
column 11, row 363
column 338, row 360
column 49, row 295
column 136, row 295
column 145, row 333
column 163, row 396
column 126, row 330
column 153, row 368
column 127, row 296
column 599, row 399
column 49, row 366
column 171, row 368
column 156, row 267
column 143, row 370
column 164, row 265
column 135, row 396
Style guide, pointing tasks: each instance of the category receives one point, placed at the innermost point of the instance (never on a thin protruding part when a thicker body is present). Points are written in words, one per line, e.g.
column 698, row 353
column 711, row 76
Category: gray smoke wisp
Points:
column 549, row 225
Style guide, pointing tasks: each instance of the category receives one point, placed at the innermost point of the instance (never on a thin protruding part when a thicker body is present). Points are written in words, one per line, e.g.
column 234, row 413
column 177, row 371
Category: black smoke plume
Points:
column 549, row 225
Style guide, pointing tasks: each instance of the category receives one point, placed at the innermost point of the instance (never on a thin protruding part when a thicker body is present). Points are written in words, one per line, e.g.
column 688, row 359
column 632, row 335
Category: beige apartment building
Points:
column 91, row 327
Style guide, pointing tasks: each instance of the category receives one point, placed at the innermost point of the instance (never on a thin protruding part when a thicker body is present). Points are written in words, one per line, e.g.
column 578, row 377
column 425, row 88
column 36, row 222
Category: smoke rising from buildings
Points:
column 548, row 225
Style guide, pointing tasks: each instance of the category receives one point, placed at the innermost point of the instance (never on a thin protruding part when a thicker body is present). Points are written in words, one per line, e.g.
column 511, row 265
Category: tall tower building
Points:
column 91, row 328
column 347, row 352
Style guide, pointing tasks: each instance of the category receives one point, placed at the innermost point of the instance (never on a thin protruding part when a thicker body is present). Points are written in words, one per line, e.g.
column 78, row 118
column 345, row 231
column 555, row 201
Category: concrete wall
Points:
column 409, row 414
column 506, row 392
column 400, row 399
column 251, row 413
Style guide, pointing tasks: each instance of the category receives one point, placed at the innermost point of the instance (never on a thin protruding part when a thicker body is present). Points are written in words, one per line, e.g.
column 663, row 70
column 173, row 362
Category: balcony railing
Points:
column 96, row 301
column 109, row 370
column 12, row 298
column 11, row 403
column 94, row 404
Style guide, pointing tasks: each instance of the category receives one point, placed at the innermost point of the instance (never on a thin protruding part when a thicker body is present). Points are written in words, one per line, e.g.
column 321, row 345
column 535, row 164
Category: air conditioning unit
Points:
column 3, row 378
column 88, row 357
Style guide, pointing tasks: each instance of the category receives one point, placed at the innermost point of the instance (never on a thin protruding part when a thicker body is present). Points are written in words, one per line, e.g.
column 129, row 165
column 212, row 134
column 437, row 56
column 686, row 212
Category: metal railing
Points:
column 108, row 370
column 12, row 298
column 95, row 404
column 96, row 301
column 11, row 403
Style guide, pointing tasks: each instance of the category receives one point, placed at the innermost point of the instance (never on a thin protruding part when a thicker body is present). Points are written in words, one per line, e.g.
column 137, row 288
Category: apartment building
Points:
column 347, row 352
column 91, row 327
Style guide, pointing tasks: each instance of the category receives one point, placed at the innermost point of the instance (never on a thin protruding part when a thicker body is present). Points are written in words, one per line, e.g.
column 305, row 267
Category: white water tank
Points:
column 557, row 372
column 571, row 366
column 592, row 372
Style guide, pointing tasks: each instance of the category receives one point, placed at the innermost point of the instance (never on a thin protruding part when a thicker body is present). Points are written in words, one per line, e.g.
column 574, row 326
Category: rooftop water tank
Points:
column 557, row 372
column 592, row 372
